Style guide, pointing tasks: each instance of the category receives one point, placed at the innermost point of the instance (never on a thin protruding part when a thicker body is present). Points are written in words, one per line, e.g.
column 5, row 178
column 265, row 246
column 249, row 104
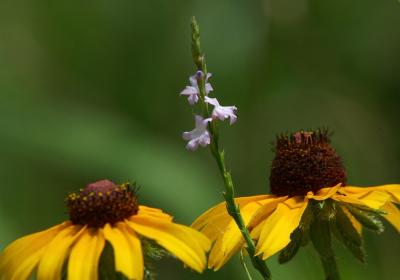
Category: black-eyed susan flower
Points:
column 101, row 212
column 310, row 200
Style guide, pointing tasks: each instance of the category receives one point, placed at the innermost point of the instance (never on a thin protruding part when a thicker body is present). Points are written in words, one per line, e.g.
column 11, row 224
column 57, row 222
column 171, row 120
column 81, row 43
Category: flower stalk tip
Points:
column 196, row 50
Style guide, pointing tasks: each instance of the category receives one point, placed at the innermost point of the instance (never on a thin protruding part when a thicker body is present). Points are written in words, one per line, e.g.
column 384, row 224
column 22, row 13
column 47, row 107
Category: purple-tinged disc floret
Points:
column 192, row 91
column 199, row 135
column 222, row 112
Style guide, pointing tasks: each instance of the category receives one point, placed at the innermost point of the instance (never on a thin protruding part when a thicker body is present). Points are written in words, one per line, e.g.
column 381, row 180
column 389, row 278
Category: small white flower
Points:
column 192, row 91
column 199, row 135
column 222, row 112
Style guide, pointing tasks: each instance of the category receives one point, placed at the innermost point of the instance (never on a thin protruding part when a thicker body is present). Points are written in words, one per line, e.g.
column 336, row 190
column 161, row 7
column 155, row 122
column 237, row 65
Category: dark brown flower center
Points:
column 305, row 161
column 102, row 202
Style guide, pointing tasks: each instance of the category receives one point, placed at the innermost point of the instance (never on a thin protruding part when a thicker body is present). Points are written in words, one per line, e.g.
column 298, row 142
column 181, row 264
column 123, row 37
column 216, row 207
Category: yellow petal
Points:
column 256, row 231
column 154, row 212
column 85, row 254
column 324, row 193
column 231, row 240
column 356, row 224
column 57, row 250
column 177, row 239
column 372, row 199
column 216, row 227
column 269, row 205
column 213, row 223
column 25, row 268
column 392, row 214
column 275, row 234
column 127, row 250
column 392, row 189
column 20, row 258
column 220, row 210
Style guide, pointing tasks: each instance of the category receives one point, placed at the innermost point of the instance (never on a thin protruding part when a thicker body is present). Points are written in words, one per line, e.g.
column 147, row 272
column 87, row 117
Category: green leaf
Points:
column 367, row 209
column 368, row 219
column 152, row 250
column 348, row 235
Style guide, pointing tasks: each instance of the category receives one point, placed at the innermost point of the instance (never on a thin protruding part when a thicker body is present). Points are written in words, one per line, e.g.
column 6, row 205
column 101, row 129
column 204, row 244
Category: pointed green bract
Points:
column 348, row 235
column 368, row 219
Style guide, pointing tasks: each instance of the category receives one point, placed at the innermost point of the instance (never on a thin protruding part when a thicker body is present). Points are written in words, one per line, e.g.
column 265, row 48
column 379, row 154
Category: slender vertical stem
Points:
column 218, row 154
column 245, row 266
column 320, row 234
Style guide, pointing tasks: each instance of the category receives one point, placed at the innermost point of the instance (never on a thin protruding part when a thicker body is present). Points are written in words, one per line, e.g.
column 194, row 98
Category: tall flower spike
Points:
column 222, row 112
column 202, row 135
column 102, row 211
column 198, row 136
column 193, row 91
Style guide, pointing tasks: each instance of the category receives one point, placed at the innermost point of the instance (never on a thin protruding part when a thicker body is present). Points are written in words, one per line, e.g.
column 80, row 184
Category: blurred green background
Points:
column 89, row 90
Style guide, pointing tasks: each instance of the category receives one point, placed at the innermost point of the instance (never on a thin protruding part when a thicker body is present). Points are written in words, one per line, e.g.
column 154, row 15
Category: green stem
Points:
column 330, row 268
column 322, row 240
column 229, row 194
column 234, row 211
column 245, row 266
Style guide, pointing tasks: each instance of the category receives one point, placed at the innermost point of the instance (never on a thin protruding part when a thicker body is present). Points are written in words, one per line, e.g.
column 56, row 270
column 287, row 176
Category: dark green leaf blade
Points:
column 348, row 235
column 368, row 219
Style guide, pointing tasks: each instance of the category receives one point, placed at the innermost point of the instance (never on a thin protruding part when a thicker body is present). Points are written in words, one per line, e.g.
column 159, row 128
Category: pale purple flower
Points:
column 222, row 112
column 199, row 135
column 192, row 91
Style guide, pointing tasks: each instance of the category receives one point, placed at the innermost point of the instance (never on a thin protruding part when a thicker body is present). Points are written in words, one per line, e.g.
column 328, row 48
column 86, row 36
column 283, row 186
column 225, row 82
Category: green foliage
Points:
column 348, row 235
column 369, row 219
column 321, row 238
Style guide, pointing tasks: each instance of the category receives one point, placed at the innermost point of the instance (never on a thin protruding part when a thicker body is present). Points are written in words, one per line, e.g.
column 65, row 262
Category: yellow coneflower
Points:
column 309, row 199
column 101, row 212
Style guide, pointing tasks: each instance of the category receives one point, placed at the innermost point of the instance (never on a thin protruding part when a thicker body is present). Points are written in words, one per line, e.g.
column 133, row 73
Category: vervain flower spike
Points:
column 206, row 134
column 102, row 212
column 310, row 200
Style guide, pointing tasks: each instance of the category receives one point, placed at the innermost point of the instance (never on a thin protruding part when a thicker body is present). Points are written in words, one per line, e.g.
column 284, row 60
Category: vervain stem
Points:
column 218, row 154
column 245, row 266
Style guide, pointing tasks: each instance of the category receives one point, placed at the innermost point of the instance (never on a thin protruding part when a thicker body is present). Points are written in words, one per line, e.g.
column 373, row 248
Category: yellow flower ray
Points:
column 52, row 261
column 392, row 214
column 172, row 237
column 220, row 210
column 88, row 248
column 154, row 212
column 275, row 234
column 17, row 255
column 231, row 240
column 126, row 250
